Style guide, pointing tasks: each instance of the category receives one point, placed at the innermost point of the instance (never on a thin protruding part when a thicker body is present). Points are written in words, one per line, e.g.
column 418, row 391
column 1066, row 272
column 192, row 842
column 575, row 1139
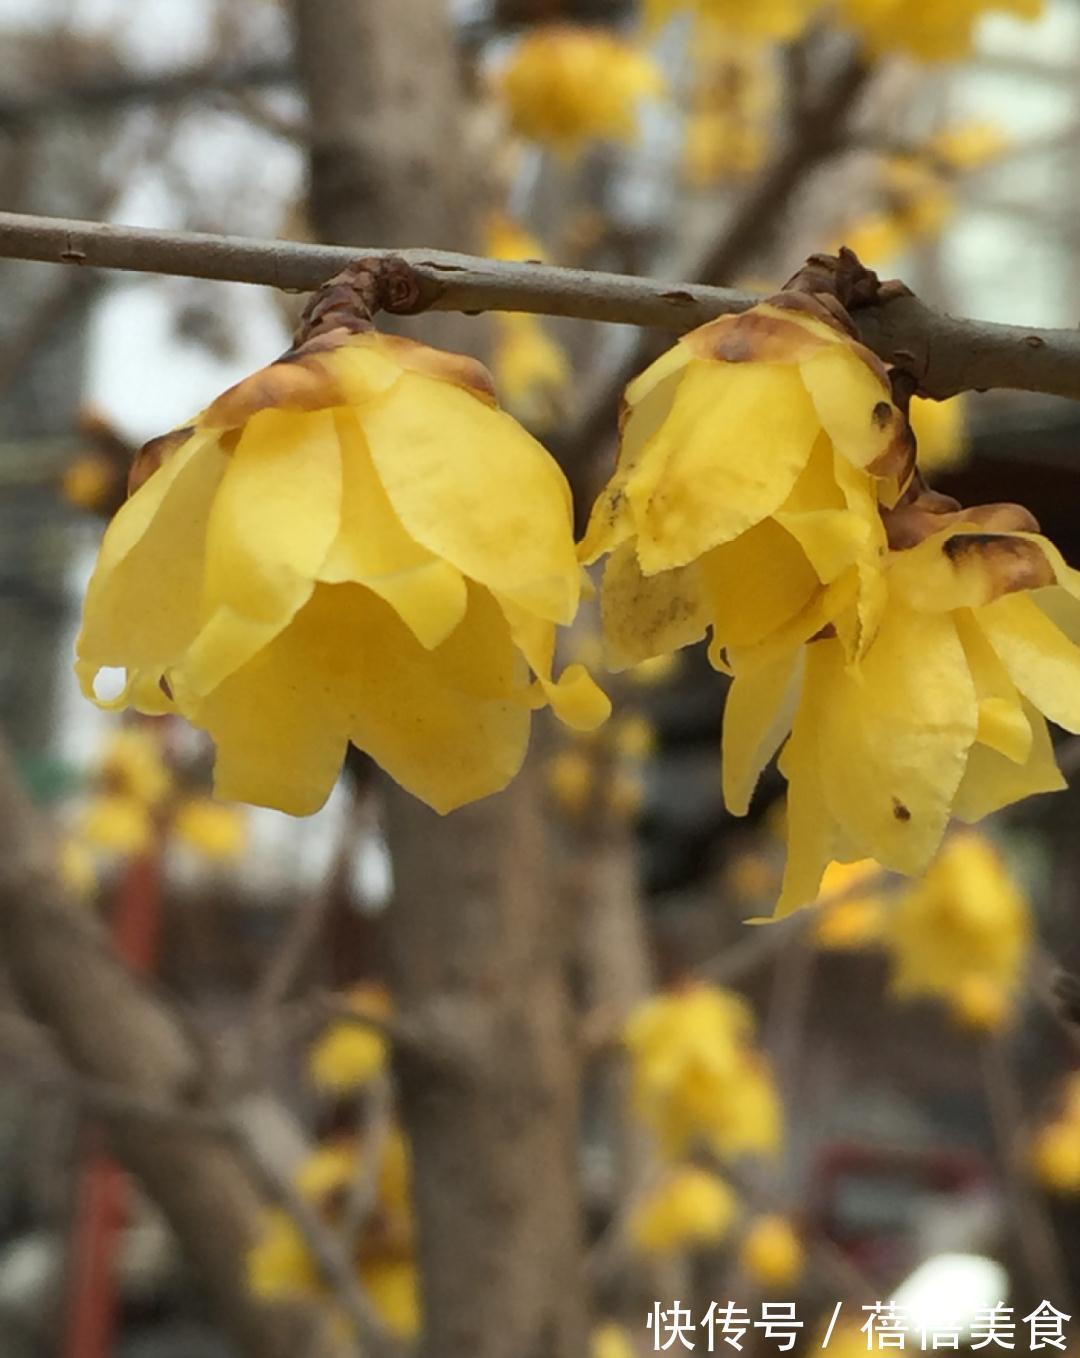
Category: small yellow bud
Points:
column 772, row 1253
column 117, row 824
column 211, row 829
column 690, row 1207
column 1055, row 1157
column 569, row 776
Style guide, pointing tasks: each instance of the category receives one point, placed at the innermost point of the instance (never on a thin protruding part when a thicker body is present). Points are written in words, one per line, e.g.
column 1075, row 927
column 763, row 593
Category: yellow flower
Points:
column 350, row 1055
column 117, row 824
column 610, row 1340
column 658, row 669
column 89, row 482
column 779, row 19
column 210, row 829
column 751, row 459
column 690, row 1207
column 718, row 144
column 566, row 85
column 633, row 736
column 932, row 30
column 354, row 544
column 570, row 775
column 506, row 238
column 969, row 145
column 943, row 713
column 625, row 793
column 851, row 906
column 696, row 1075
column 279, row 1264
column 771, row 1252
column 76, row 867
column 532, row 371
column 750, row 876
column 940, row 429
column 980, row 1003
column 132, row 764
column 393, row 1286
column 1055, row 1156
column 965, row 920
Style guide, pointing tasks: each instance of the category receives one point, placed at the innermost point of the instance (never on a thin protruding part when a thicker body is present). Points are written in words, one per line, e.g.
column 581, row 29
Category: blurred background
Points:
column 873, row 1101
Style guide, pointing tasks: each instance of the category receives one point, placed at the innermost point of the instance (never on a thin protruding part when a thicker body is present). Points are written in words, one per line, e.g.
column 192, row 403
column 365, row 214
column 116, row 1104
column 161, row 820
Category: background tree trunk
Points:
column 477, row 946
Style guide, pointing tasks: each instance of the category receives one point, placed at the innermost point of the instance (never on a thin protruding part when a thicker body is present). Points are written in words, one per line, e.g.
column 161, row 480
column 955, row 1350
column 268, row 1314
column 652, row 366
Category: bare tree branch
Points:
column 947, row 354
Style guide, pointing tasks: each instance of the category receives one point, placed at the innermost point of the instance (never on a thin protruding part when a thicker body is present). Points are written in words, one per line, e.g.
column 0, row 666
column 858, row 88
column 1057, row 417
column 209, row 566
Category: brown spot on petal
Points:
column 761, row 335
column 881, row 414
column 1010, row 563
column 166, row 688
column 900, row 811
column 153, row 455
column 296, row 382
column 464, row 371
column 930, row 512
column 897, row 459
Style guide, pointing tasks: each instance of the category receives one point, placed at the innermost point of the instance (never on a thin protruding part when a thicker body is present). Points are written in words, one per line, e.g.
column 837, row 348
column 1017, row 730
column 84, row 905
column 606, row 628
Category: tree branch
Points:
column 947, row 354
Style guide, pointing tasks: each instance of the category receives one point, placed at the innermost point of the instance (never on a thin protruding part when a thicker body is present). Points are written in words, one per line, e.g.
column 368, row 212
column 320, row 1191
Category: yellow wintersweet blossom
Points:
column 745, row 496
column 931, row 30
column 349, row 1055
column 610, row 1340
column 851, row 906
column 132, row 763
column 966, row 921
column 532, row 371
column 506, row 238
column 566, row 85
column 940, row 429
column 75, row 864
column 697, row 1077
column 570, row 775
column 943, row 714
column 89, row 482
column 688, row 1208
column 733, row 92
column 968, row 145
column 279, row 1264
column 1055, row 1155
column 210, row 829
column 117, row 824
column 394, row 1288
column 353, row 544
column 763, row 19
column 771, row 1252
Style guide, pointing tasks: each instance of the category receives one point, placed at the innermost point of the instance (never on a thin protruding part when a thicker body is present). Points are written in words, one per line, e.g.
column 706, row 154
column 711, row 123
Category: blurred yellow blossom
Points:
column 771, row 1252
column 76, row 867
column 89, row 482
column 851, row 905
column 349, row 1055
column 751, row 876
column 610, row 1340
column 393, row 1286
column 570, row 775
column 566, row 85
column 625, row 793
column 774, row 19
column 940, row 429
column 932, row 30
column 658, row 669
column 117, row 824
column 969, row 145
column 211, row 829
column 633, row 736
column 965, row 923
column 532, row 371
column 689, row 1207
column 353, row 544
column 279, row 1264
column 507, row 238
column 696, row 1075
column 1055, row 1155
column 132, row 763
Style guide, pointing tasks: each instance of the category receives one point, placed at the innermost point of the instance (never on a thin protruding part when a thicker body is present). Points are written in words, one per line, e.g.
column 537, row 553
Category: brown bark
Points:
column 474, row 932
column 113, row 1029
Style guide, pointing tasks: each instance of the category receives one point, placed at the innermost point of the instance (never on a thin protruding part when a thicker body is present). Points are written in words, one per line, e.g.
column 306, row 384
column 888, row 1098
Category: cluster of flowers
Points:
column 356, row 544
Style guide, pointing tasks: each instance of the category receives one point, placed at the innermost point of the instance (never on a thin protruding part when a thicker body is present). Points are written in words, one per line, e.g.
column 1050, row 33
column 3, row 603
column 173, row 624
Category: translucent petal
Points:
column 450, row 724
column 574, row 697
column 144, row 601
column 894, row 736
column 755, row 584
column 758, row 713
column 992, row 781
column 648, row 615
column 373, row 549
column 1003, row 723
column 726, row 457
column 810, row 827
column 1041, row 660
column 273, row 520
column 853, row 404
column 470, row 485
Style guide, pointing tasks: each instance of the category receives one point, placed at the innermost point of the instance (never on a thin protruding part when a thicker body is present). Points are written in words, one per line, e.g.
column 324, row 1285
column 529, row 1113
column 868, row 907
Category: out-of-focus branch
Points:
column 105, row 94
column 115, row 1032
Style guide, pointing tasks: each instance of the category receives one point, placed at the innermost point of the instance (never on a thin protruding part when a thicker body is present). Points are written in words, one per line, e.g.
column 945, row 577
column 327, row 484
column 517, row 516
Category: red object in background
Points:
column 99, row 1212
column 865, row 1198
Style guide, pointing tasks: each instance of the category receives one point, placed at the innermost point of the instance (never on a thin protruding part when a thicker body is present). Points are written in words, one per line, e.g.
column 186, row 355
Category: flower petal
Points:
column 992, row 781
column 574, row 697
column 755, row 584
column 470, row 485
column 726, row 457
column 758, row 713
column 1041, row 660
column 143, row 604
column 810, row 827
column 894, row 736
column 1003, row 723
column 853, row 404
column 373, row 549
column 648, row 615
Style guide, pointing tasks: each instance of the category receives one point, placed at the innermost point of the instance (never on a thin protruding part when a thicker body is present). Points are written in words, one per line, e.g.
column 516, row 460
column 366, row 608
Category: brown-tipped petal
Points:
column 153, row 454
column 1010, row 563
column 931, row 513
column 460, row 369
column 295, row 382
column 967, row 569
column 764, row 334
